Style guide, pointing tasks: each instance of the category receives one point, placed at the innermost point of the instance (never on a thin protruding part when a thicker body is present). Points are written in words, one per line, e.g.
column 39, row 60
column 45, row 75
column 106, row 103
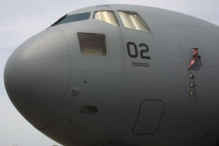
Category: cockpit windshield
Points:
column 106, row 16
column 132, row 20
column 72, row 18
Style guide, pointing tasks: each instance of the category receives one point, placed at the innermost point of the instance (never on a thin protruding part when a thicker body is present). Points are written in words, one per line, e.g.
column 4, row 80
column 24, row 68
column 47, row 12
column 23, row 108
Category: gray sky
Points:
column 21, row 19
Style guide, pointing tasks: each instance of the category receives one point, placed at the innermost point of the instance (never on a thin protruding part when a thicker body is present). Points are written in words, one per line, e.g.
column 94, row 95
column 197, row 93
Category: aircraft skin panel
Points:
column 139, row 91
column 149, row 117
column 39, row 75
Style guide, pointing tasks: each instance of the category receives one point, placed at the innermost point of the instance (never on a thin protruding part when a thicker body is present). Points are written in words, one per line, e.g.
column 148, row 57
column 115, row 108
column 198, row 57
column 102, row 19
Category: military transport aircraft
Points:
column 120, row 75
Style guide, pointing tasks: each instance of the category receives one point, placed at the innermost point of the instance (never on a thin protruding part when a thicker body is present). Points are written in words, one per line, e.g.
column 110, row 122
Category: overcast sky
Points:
column 21, row 19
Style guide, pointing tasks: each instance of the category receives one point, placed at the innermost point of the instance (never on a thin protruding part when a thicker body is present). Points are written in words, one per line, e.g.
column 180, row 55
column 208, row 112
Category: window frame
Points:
column 65, row 16
column 103, row 50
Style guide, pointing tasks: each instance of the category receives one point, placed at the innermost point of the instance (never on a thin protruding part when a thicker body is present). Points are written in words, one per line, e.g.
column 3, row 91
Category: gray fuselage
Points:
column 122, row 97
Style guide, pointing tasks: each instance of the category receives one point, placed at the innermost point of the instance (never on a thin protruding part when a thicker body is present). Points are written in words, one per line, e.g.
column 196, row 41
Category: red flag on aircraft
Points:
column 192, row 62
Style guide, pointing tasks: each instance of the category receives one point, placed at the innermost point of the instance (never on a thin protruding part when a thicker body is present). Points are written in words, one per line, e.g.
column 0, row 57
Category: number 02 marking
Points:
column 135, row 54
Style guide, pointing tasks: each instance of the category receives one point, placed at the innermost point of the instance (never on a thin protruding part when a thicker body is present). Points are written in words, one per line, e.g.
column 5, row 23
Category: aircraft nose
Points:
column 36, row 76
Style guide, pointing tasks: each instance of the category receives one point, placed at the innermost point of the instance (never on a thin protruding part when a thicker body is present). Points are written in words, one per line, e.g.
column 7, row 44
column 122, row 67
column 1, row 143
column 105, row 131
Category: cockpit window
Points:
column 133, row 21
column 92, row 43
column 72, row 18
column 106, row 16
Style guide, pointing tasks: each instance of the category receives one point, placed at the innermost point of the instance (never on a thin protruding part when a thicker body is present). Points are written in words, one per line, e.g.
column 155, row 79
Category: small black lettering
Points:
column 140, row 64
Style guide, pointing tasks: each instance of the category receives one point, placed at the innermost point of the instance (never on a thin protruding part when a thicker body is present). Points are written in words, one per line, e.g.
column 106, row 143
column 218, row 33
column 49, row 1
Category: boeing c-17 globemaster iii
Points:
column 120, row 75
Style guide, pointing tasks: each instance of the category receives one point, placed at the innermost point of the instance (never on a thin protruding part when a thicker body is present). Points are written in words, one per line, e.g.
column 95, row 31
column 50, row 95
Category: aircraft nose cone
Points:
column 36, row 76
